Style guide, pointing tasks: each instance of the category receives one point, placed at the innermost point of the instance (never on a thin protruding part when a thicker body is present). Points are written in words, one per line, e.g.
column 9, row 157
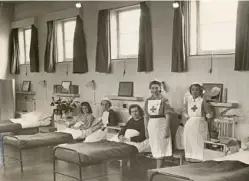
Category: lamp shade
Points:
column 91, row 85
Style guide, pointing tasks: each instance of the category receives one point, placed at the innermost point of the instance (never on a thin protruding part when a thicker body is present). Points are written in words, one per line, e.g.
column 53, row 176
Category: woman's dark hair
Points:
column 197, row 85
column 157, row 83
column 138, row 107
column 88, row 106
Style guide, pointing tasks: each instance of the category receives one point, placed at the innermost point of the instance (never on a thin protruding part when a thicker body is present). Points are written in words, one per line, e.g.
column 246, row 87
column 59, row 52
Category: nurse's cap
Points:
column 107, row 100
column 198, row 83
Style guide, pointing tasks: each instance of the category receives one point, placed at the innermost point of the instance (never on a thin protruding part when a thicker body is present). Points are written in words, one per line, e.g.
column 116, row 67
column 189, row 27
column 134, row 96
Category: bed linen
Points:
column 206, row 171
column 38, row 140
column 9, row 126
column 141, row 146
column 76, row 134
column 95, row 152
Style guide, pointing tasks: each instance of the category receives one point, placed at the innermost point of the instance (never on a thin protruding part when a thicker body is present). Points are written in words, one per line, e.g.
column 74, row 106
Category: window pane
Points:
column 217, row 12
column 220, row 36
column 129, row 21
column 21, row 46
column 69, row 49
column 193, row 28
column 69, row 28
column 114, row 38
column 128, row 44
column 60, row 51
column 27, row 33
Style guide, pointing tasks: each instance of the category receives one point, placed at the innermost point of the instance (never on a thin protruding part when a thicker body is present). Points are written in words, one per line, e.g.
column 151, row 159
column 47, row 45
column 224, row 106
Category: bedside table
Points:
column 47, row 129
column 214, row 150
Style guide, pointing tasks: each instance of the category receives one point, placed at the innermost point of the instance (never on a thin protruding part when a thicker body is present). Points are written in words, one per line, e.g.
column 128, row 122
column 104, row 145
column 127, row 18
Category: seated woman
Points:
column 133, row 132
column 80, row 126
column 108, row 118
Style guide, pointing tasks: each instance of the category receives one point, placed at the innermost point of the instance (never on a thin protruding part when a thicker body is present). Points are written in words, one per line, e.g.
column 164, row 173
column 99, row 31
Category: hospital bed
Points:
column 88, row 154
column 29, row 122
column 23, row 142
column 231, row 167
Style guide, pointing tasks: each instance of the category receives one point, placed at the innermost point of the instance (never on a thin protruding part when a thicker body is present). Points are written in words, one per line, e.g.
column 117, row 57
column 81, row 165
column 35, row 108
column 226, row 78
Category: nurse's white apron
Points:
column 157, row 127
column 99, row 134
column 195, row 130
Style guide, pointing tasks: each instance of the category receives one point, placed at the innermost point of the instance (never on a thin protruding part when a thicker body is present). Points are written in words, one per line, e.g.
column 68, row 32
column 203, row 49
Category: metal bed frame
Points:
column 20, row 149
column 123, row 163
column 176, row 177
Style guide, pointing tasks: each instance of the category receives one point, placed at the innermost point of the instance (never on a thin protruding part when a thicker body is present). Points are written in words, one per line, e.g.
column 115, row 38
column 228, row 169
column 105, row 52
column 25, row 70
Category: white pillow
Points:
column 245, row 143
column 36, row 116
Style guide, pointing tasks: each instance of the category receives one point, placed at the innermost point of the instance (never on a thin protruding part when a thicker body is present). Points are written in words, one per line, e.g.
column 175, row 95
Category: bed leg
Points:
column 159, row 163
column 80, row 172
column 54, row 174
column 21, row 164
column 123, row 163
column 3, row 154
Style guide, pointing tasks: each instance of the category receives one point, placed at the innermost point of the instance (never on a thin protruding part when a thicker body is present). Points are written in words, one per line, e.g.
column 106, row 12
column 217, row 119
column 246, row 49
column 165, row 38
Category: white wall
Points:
column 6, row 10
column 162, row 20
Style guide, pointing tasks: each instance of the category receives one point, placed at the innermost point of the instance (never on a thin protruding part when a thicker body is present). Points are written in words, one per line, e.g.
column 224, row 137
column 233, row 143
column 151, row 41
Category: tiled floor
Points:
column 38, row 167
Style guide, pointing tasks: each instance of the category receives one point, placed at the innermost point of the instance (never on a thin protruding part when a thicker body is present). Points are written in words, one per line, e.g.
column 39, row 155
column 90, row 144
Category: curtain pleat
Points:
column 103, row 52
column 50, row 52
column 242, row 37
column 179, row 51
column 145, row 50
column 34, row 50
column 79, row 48
column 14, row 52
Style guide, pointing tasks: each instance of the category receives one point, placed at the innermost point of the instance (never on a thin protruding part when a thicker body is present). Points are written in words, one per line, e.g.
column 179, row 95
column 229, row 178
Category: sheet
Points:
column 29, row 123
column 9, row 126
column 242, row 156
column 142, row 146
column 96, row 152
column 77, row 134
column 206, row 171
column 39, row 139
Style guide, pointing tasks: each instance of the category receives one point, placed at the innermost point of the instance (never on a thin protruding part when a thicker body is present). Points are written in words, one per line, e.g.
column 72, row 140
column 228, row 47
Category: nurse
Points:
column 157, row 121
column 198, row 113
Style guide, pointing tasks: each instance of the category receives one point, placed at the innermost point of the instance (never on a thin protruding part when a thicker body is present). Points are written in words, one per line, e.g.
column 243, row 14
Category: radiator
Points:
column 226, row 127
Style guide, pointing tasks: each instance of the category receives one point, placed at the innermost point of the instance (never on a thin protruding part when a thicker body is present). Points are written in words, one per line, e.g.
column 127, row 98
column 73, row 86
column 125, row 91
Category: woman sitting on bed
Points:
column 134, row 129
column 84, row 120
column 133, row 132
column 108, row 118
column 80, row 126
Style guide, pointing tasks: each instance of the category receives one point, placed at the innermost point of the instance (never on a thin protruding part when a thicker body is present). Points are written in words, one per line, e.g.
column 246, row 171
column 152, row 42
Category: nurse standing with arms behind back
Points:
column 157, row 121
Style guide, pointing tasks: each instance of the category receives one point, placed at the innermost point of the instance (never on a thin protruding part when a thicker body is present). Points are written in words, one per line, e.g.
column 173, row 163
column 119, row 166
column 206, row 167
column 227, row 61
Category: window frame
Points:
column 198, row 51
column 117, row 17
column 63, row 21
column 23, row 29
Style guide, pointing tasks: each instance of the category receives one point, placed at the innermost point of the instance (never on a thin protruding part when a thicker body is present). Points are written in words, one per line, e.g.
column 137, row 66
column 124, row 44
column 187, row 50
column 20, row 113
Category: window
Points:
column 212, row 27
column 24, row 38
column 124, row 32
column 65, row 34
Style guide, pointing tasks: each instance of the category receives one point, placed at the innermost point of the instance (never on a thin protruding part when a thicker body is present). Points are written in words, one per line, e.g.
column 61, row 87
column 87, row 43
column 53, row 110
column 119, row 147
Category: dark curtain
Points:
column 79, row 48
column 50, row 52
column 103, row 52
column 179, row 51
column 242, row 37
column 145, row 54
column 14, row 52
column 34, row 52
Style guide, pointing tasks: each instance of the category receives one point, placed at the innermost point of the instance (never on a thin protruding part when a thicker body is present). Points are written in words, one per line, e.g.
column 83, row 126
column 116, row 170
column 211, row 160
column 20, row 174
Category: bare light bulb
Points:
column 78, row 5
column 175, row 5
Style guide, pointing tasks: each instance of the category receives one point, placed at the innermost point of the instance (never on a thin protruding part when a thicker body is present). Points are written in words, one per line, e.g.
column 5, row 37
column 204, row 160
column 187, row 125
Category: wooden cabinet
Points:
column 7, row 99
column 25, row 101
